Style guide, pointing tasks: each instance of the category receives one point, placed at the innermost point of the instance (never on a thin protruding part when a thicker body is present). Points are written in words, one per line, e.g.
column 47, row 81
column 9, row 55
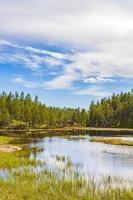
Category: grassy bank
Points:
column 113, row 141
column 15, row 159
column 69, row 128
column 66, row 131
column 6, row 139
column 47, row 185
column 94, row 129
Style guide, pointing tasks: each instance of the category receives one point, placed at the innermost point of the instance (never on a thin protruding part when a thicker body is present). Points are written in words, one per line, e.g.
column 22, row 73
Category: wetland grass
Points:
column 5, row 140
column 15, row 159
column 46, row 185
column 64, row 184
column 113, row 141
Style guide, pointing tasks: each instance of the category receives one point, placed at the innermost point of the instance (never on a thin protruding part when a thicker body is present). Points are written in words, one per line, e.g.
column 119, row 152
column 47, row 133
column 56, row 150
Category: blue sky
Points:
column 66, row 52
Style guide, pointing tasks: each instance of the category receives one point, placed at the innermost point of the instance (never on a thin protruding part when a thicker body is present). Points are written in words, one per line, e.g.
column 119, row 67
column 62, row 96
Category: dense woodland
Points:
column 20, row 110
column 116, row 111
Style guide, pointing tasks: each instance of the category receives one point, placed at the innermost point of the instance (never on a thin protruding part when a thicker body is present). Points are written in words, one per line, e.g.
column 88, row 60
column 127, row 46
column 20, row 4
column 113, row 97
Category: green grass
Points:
column 67, row 184
column 16, row 159
column 5, row 139
column 13, row 160
column 75, row 137
column 64, row 183
column 113, row 141
column 48, row 186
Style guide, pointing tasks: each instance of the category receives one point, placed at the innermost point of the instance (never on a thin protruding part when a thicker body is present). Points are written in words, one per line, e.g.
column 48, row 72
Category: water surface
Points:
column 94, row 158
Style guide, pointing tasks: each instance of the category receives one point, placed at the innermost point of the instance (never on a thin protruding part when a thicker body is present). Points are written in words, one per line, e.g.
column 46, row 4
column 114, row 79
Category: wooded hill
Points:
column 20, row 110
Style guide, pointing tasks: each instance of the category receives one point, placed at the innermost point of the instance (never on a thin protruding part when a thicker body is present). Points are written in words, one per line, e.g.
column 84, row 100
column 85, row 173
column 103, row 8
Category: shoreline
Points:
column 69, row 129
column 92, row 129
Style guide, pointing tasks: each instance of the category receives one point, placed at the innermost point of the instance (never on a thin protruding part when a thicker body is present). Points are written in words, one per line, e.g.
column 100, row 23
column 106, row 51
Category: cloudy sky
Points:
column 68, row 52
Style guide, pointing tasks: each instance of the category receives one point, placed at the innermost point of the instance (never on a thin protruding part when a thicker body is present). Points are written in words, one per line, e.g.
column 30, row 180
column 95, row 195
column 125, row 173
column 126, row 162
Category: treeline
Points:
column 116, row 111
column 20, row 110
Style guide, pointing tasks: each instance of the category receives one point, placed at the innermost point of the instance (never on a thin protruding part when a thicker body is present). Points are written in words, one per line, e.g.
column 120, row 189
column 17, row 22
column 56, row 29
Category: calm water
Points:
column 94, row 158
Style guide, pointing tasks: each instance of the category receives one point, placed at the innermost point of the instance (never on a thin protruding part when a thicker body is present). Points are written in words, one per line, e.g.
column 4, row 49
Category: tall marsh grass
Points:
column 25, row 181
column 67, row 184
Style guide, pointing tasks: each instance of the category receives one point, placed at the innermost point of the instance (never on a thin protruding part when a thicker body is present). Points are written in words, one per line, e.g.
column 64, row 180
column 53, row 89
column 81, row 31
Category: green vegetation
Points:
column 23, row 182
column 116, row 111
column 13, row 160
column 46, row 184
column 10, row 160
column 75, row 137
column 114, row 141
column 20, row 111
column 6, row 140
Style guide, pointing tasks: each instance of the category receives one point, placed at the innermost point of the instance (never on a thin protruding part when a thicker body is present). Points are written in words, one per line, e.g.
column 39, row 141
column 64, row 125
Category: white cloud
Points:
column 62, row 82
column 81, row 21
column 18, row 80
column 33, row 50
column 104, row 29
column 32, row 60
column 94, row 91
column 98, row 80
column 89, row 67
column 41, row 51
column 103, row 65
column 27, row 84
column 5, row 42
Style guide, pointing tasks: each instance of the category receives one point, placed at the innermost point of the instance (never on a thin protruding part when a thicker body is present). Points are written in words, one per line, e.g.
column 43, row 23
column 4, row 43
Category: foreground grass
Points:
column 60, row 184
column 46, row 185
column 114, row 141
